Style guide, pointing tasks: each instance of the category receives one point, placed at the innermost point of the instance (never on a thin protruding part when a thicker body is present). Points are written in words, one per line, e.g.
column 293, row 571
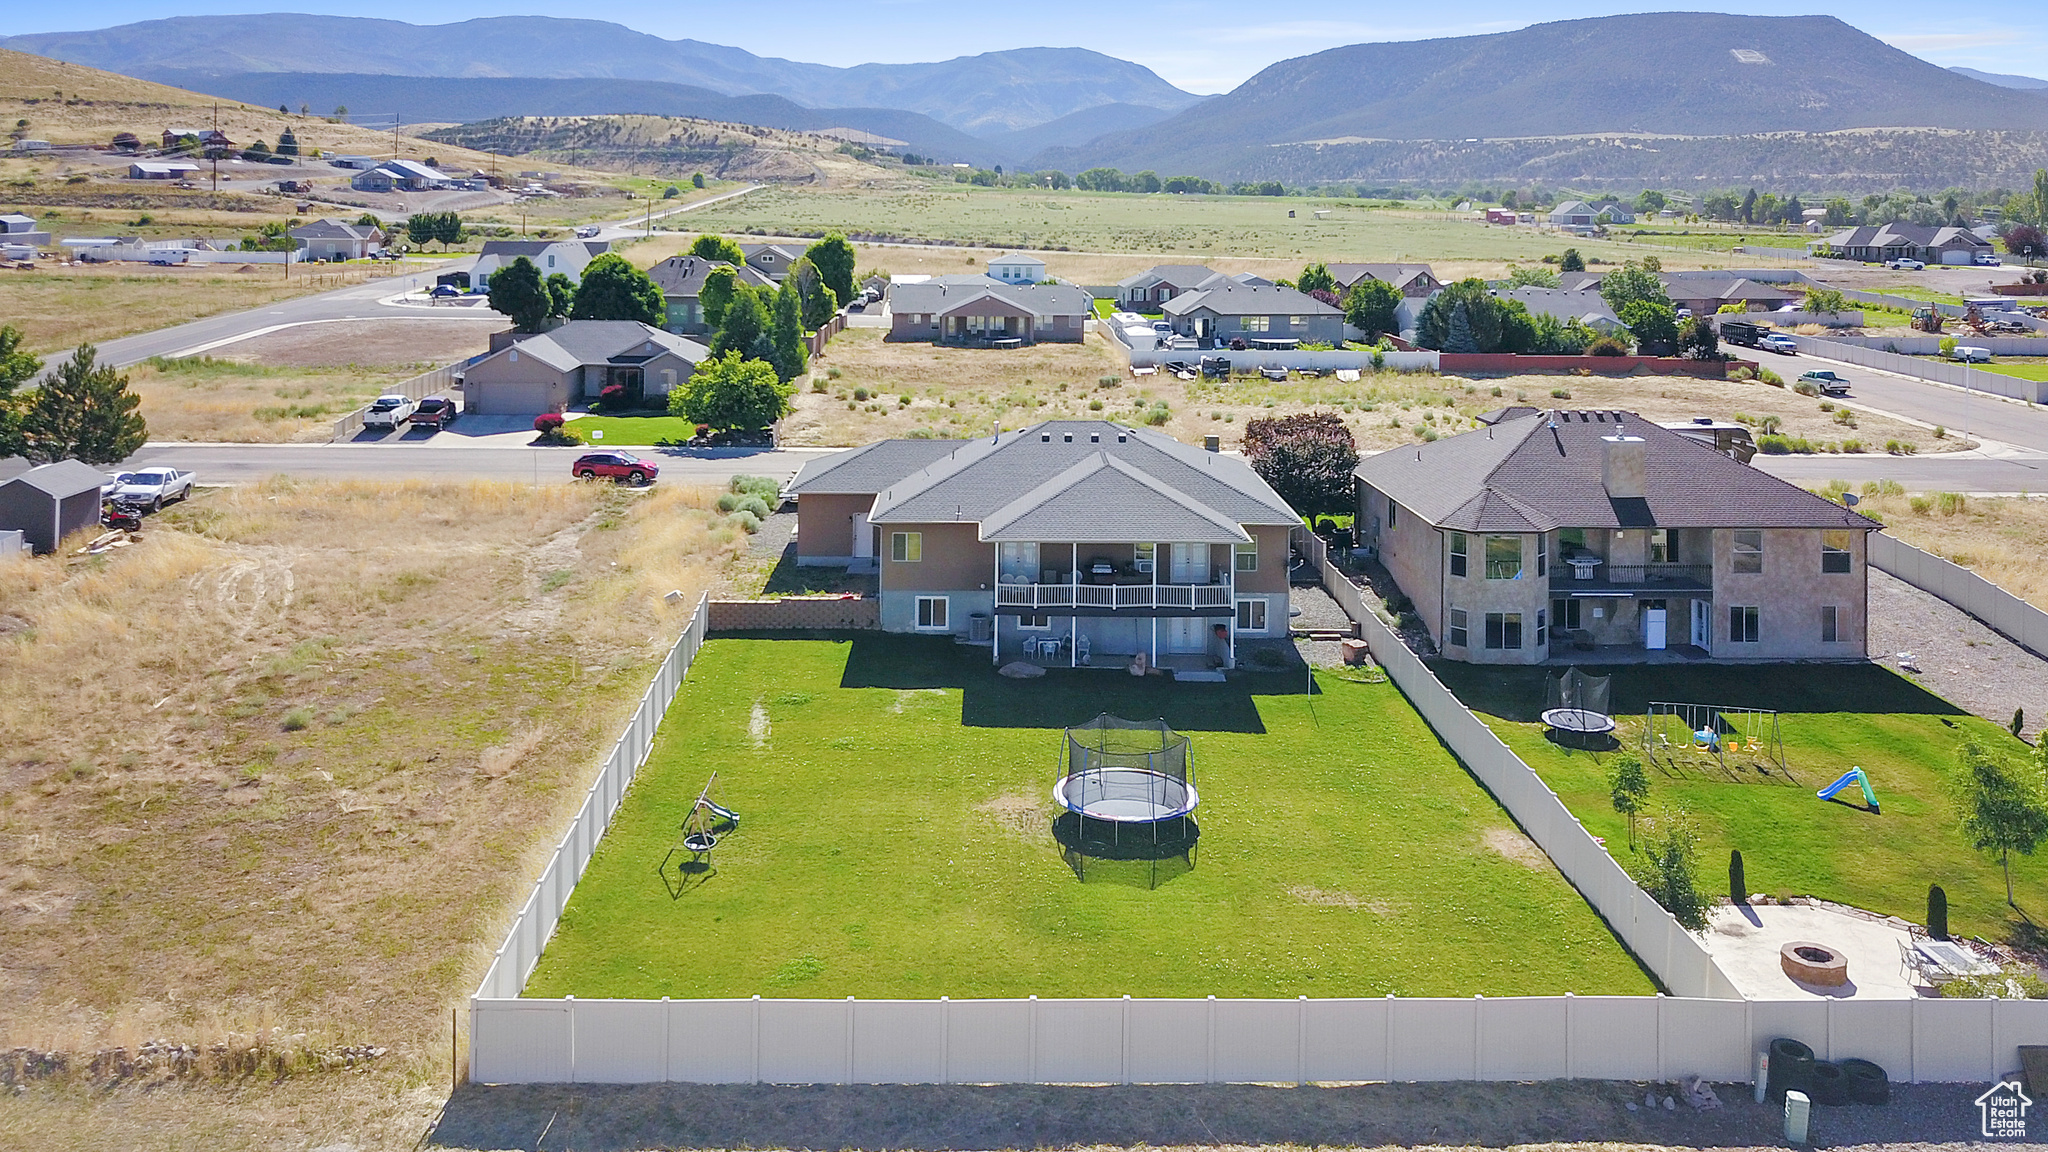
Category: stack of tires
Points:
column 1793, row 1069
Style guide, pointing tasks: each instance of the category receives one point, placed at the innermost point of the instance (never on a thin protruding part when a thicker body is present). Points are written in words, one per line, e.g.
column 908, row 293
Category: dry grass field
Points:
column 884, row 389
column 281, row 769
column 59, row 308
column 2001, row 539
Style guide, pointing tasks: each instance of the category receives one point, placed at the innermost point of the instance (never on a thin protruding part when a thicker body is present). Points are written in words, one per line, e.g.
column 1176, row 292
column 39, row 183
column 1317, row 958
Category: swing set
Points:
column 1714, row 731
column 707, row 822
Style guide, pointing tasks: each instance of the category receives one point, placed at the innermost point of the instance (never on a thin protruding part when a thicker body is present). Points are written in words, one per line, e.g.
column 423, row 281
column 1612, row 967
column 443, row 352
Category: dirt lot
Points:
column 962, row 392
column 2001, row 539
column 288, row 763
column 431, row 343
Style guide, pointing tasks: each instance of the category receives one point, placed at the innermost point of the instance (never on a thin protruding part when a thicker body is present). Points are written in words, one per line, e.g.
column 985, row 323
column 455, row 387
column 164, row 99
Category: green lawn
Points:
column 628, row 431
column 1792, row 843
column 894, row 795
column 2023, row 371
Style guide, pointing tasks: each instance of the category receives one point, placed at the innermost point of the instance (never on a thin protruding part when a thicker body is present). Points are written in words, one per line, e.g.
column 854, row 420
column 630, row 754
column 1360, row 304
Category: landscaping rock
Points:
column 1020, row 670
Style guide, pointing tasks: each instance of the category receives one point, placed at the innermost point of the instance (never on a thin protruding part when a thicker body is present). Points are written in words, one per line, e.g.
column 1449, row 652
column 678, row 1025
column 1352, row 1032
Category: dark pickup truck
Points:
column 436, row 412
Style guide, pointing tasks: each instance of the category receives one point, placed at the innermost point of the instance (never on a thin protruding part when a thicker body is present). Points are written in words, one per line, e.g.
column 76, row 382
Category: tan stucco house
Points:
column 1589, row 536
column 574, row 362
column 1073, row 543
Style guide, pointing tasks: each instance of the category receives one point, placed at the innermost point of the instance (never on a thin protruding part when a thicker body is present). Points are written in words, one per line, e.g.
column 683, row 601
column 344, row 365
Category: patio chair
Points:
column 1081, row 650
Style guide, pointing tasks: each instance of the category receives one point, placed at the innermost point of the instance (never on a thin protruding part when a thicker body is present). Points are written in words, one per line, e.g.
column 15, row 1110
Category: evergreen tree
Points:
column 819, row 302
column 612, row 289
column 1459, row 338
column 786, row 332
column 717, row 295
column 517, row 292
column 83, row 411
column 1571, row 261
column 745, row 320
column 834, row 258
column 561, row 294
column 287, row 143
column 17, row 367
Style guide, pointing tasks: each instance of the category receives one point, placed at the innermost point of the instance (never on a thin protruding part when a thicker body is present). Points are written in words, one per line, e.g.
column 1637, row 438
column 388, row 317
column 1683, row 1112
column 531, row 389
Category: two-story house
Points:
column 681, row 279
column 1558, row 535
column 772, row 260
column 1072, row 543
column 1413, row 281
column 569, row 257
column 1017, row 268
column 1265, row 315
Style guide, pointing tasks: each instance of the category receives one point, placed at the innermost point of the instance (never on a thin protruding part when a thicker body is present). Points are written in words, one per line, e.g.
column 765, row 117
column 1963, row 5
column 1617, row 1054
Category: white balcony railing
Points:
column 1113, row 596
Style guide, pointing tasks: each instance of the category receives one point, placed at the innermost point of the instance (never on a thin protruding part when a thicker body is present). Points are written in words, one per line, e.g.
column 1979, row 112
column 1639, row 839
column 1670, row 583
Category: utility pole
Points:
column 215, row 151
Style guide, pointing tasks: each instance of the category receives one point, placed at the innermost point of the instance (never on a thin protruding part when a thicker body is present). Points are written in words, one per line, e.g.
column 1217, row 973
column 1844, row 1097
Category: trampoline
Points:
column 1126, row 793
column 1576, row 710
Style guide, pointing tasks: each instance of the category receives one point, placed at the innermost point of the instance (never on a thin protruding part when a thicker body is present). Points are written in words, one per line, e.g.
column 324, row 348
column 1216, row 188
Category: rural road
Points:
column 427, row 459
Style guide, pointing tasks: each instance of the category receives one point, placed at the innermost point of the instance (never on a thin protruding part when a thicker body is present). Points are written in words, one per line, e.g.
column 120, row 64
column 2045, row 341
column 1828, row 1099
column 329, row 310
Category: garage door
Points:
column 507, row 397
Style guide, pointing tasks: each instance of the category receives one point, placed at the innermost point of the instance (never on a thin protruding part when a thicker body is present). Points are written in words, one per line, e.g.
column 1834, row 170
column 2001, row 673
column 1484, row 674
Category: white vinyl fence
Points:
column 418, row 388
column 1999, row 610
column 1941, row 372
column 536, row 920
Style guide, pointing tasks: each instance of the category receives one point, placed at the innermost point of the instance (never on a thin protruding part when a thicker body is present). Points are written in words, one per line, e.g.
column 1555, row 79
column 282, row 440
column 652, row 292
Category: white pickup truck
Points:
column 388, row 412
column 154, row 487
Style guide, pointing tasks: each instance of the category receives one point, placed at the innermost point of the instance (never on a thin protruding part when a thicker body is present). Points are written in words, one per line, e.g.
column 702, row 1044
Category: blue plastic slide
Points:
column 1852, row 776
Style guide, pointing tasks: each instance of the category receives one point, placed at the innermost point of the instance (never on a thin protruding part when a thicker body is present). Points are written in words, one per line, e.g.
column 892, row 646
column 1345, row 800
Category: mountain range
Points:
column 2002, row 79
column 987, row 94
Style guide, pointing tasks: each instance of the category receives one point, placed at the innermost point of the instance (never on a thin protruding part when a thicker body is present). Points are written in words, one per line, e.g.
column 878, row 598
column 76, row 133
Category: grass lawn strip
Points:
column 1792, row 843
column 2036, row 371
column 889, row 849
column 632, row 431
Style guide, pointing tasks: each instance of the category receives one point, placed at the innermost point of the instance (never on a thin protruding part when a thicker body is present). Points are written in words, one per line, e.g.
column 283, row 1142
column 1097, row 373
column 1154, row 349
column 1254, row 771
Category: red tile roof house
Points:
column 1600, row 537
column 1072, row 543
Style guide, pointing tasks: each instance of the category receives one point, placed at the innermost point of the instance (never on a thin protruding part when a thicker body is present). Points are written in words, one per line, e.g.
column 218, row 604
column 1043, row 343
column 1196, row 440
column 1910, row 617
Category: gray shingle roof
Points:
column 982, row 477
column 510, row 249
column 1587, row 307
column 583, row 342
column 1099, row 500
column 1396, row 274
column 1540, row 471
column 332, row 229
column 868, row 469
column 63, row 479
column 937, row 296
column 1180, row 275
column 685, row 275
column 1249, row 300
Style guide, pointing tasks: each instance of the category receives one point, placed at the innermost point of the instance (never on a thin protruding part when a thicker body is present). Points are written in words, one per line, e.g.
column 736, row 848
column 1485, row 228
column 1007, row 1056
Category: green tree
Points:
column 17, row 367
column 1371, row 307
column 1828, row 301
column 1308, row 459
column 744, row 321
column 612, row 289
column 671, row 192
column 2041, row 196
column 1839, row 213
column 422, row 229
column 287, row 143
column 835, row 259
column 369, row 220
column 1631, row 283
column 561, row 293
column 787, row 350
column 1650, row 202
column 1571, row 261
column 1669, row 871
column 819, row 301
column 83, row 411
column 2002, row 808
column 1654, row 325
column 1316, row 277
column 731, row 392
column 1628, row 789
column 720, row 286
column 696, row 180
column 1533, row 276
column 1467, row 317
column 1100, row 180
column 1697, row 340
column 447, row 229
column 517, row 292
column 712, row 246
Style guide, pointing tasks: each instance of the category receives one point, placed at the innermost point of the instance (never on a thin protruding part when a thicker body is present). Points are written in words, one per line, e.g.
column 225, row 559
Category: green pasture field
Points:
column 894, row 841
column 2036, row 370
column 1832, row 718
column 1191, row 227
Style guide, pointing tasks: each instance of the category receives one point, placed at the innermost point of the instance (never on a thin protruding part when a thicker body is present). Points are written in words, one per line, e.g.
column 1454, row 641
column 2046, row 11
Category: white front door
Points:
column 1701, row 629
column 1182, row 634
column 863, row 537
column 1653, row 629
column 1190, row 564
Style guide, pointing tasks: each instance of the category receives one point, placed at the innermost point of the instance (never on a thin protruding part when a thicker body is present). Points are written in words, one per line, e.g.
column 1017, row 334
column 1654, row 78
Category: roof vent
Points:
column 1213, row 443
column 1119, row 437
column 1067, row 437
column 1095, row 437
column 1045, row 437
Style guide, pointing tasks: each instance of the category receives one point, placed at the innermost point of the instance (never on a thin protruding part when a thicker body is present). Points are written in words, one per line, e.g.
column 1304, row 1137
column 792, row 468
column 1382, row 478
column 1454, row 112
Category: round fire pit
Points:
column 1811, row 963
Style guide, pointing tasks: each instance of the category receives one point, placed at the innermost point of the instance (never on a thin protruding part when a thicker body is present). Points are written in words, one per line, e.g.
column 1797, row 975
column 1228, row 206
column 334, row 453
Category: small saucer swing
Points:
column 708, row 821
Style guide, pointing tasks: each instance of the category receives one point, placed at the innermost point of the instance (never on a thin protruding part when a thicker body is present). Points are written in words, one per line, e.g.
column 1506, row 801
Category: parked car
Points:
column 113, row 484
column 445, row 292
column 588, row 232
column 1828, row 383
column 1780, row 343
column 437, row 412
column 388, row 411
column 1988, row 259
column 1969, row 355
column 1903, row 264
column 614, row 466
column 154, row 487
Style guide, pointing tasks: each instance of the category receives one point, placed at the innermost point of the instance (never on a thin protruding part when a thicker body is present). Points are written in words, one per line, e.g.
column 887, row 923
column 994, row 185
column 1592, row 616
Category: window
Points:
column 1504, row 630
column 1251, row 615
column 1542, row 629
column 1741, row 624
column 1504, row 558
column 1034, row 623
column 1461, row 636
column 1017, row 563
column 1247, row 557
column 1834, row 550
column 1458, row 553
column 1391, row 509
column 906, row 547
column 931, row 613
column 1663, row 546
column 1542, row 559
column 1255, row 323
column 1748, row 555
column 1141, row 556
column 1570, row 542
column 1297, row 321
column 1830, row 632
column 1566, row 613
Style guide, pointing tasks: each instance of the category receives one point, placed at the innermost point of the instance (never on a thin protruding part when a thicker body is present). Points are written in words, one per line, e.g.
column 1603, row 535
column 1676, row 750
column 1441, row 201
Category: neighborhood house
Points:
column 1902, row 241
column 569, row 257
column 399, row 175
column 1017, row 268
column 529, row 373
column 334, row 240
column 976, row 311
column 1263, row 316
column 771, row 260
column 1076, row 543
column 1414, row 281
column 1594, row 536
column 681, row 279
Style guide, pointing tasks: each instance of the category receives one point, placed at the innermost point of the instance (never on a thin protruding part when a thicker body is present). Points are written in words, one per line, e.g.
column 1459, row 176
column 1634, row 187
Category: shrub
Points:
column 1095, row 405
column 818, row 386
column 1769, row 423
column 1920, row 505
column 1771, row 445
column 1951, row 503
column 1560, row 394
column 1106, row 381
column 1940, row 433
column 297, row 719
column 764, row 487
column 745, row 521
column 1770, row 377
column 728, row 501
column 1607, row 346
column 860, row 394
column 753, row 506
column 1805, row 389
column 1668, row 871
column 1852, row 446
column 1158, row 414
column 1900, row 447
column 1845, row 417
column 1827, row 405
column 2013, row 982
column 1743, row 373
column 547, row 423
column 1883, row 488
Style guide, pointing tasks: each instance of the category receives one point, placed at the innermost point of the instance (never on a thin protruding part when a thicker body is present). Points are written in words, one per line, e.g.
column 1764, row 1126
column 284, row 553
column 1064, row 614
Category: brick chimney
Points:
column 1622, row 465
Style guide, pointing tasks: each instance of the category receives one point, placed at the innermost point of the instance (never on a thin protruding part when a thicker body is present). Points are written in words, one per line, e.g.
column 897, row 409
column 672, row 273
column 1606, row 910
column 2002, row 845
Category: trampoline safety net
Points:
column 1113, row 742
column 1574, row 689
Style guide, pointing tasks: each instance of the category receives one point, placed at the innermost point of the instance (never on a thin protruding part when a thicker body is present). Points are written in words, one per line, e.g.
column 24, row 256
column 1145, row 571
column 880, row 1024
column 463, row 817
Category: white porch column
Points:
column 995, row 621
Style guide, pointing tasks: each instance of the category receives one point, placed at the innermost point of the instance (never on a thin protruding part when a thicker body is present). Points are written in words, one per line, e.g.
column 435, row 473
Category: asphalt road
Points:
column 1980, row 414
column 425, row 458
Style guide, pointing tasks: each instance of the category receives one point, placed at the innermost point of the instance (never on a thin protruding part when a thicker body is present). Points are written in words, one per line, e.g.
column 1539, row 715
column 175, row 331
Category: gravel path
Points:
column 1318, row 611
column 1958, row 657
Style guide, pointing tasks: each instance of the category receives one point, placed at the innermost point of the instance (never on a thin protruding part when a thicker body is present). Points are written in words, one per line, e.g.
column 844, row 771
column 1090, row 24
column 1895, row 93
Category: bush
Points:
column 753, row 506
column 1560, row 394
column 766, row 488
column 1806, row 389
column 1845, row 417
column 1158, row 414
column 547, row 423
column 1095, row 405
column 1607, row 346
column 745, row 521
column 2013, row 982
column 728, row 501
column 1900, row 447
column 1920, row 505
column 1785, row 445
column 1742, row 374
column 1852, row 446
column 1940, row 433
column 1951, row 503
column 1106, row 381
column 297, row 719
column 860, row 394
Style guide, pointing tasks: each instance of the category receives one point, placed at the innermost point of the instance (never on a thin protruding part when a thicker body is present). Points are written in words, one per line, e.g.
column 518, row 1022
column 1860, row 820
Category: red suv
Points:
column 614, row 466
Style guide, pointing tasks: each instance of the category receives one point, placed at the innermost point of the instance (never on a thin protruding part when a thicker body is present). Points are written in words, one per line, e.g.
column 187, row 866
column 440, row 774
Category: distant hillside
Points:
column 1693, row 74
column 666, row 145
column 2002, row 79
column 436, row 99
column 993, row 92
column 1074, row 129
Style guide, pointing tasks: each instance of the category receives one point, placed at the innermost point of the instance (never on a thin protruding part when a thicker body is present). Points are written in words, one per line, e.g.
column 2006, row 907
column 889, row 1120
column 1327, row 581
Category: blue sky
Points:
column 1201, row 45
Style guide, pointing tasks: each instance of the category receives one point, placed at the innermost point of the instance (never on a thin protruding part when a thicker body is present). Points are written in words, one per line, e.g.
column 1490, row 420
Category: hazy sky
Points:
column 1201, row 45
